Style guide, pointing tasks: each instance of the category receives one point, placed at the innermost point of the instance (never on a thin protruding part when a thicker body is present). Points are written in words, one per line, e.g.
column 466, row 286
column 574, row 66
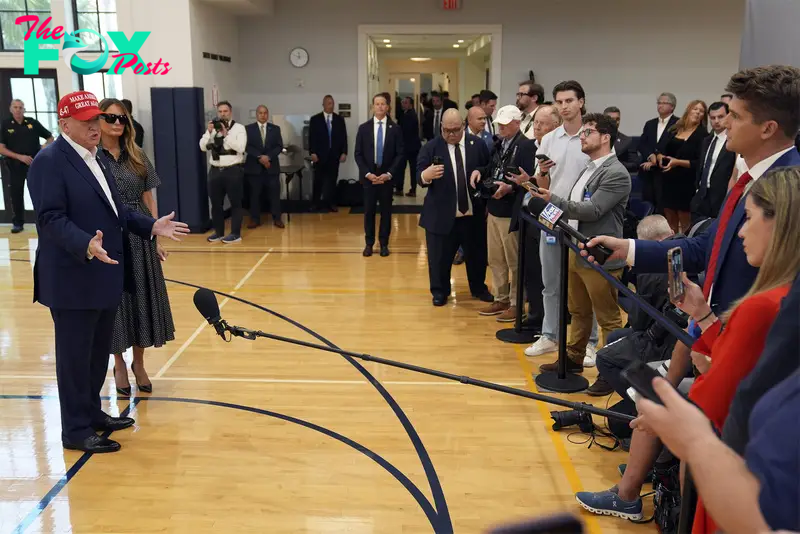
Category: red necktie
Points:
column 727, row 211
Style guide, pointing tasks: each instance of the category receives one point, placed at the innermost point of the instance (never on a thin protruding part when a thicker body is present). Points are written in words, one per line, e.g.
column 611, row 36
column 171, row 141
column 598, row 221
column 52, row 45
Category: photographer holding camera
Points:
column 226, row 141
column 511, row 152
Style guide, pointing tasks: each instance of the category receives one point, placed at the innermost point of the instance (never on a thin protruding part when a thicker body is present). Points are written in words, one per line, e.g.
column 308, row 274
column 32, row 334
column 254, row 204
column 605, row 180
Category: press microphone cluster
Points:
column 551, row 216
column 206, row 304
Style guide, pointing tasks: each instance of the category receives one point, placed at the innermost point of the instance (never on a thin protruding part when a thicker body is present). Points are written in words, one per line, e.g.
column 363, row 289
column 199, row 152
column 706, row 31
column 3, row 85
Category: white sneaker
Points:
column 543, row 345
column 591, row 356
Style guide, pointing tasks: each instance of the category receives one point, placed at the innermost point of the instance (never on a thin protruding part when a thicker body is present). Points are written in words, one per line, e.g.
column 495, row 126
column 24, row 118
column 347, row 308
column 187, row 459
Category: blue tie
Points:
column 379, row 145
column 329, row 132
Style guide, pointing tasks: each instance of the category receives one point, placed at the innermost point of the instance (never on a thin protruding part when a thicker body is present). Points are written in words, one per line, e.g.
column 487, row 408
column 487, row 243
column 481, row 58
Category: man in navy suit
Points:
column 763, row 121
column 327, row 144
column 80, row 267
column 380, row 157
column 264, row 145
column 451, row 215
column 652, row 142
column 411, row 145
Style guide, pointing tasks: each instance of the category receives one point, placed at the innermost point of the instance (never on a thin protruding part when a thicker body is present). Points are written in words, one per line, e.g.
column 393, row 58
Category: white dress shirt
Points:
column 756, row 172
column 90, row 158
column 721, row 138
column 578, row 190
column 235, row 140
column 526, row 126
column 662, row 125
column 451, row 149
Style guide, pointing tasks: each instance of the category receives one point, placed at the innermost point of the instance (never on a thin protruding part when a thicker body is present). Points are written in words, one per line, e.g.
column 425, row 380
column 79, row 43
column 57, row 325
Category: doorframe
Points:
column 365, row 30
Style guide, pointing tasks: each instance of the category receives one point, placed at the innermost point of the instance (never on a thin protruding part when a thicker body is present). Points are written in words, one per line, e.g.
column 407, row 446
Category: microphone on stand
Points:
column 550, row 216
column 206, row 304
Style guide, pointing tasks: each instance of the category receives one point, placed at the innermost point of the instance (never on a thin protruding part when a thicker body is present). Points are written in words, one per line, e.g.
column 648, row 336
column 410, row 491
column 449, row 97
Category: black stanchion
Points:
column 519, row 334
column 562, row 381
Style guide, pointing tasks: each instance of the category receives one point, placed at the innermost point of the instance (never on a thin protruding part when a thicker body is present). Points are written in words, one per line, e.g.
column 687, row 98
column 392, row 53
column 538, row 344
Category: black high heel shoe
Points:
column 122, row 391
column 143, row 388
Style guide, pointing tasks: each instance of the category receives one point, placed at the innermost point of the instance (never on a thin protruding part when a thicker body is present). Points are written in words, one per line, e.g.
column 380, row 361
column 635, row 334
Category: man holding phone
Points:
column 503, row 244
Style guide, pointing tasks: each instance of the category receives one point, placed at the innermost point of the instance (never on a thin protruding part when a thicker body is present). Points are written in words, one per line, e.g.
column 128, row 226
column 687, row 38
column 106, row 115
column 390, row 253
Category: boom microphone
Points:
column 206, row 304
column 550, row 216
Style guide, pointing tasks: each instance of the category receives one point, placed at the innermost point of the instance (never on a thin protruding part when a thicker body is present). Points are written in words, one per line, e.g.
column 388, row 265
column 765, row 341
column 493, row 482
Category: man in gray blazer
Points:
column 595, row 206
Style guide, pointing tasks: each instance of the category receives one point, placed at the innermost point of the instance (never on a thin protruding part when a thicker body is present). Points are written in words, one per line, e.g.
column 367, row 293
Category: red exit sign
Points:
column 451, row 4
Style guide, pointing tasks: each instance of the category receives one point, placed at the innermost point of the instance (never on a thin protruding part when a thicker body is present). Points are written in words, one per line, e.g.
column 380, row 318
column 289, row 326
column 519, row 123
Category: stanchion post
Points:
column 517, row 334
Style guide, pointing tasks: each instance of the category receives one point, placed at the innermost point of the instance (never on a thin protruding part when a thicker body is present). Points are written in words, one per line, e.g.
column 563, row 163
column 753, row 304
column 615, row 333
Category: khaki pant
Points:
column 503, row 249
column 590, row 294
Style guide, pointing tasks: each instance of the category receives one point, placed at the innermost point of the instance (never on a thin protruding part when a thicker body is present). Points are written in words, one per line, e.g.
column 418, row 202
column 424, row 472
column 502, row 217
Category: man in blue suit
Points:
column 79, row 271
column 763, row 121
column 264, row 145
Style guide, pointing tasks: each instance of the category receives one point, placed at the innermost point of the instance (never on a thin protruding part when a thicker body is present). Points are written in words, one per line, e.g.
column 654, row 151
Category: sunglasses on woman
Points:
column 111, row 118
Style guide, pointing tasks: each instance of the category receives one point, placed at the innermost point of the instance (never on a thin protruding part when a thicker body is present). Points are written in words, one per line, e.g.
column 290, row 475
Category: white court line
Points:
column 200, row 328
column 278, row 381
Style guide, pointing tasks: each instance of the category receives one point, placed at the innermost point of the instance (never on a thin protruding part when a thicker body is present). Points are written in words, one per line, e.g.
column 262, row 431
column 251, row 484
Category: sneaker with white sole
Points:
column 591, row 356
column 232, row 238
column 609, row 503
column 213, row 238
column 543, row 345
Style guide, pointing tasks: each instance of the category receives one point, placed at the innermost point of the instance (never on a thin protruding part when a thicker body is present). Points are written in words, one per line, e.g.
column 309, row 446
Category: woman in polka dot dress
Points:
column 144, row 318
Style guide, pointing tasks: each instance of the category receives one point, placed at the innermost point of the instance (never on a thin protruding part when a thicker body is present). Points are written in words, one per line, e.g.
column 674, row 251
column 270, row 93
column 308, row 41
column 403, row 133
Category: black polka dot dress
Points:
column 144, row 318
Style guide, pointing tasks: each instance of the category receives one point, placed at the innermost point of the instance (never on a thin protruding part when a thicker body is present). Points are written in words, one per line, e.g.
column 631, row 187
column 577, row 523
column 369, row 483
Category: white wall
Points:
column 624, row 52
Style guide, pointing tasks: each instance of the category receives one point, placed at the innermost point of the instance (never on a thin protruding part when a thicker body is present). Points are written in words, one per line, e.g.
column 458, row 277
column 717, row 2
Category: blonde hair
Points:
column 135, row 155
column 778, row 194
column 683, row 122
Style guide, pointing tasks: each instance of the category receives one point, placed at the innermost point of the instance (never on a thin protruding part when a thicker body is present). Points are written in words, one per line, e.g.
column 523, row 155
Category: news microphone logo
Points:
column 550, row 215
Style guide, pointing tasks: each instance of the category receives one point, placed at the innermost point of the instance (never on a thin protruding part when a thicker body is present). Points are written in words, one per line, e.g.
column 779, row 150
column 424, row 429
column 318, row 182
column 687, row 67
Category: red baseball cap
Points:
column 80, row 105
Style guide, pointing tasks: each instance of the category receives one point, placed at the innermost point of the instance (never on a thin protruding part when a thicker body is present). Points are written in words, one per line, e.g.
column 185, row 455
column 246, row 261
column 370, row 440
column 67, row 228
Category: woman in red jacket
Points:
column 731, row 345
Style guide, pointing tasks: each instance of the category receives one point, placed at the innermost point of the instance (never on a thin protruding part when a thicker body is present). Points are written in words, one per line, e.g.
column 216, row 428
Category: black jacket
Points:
column 318, row 142
column 393, row 162
column 708, row 200
column 410, row 126
column 626, row 152
column 255, row 148
column 509, row 204
column 648, row 143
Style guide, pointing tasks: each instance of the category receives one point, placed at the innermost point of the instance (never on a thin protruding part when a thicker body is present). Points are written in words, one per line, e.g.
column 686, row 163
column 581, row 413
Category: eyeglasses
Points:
column 661, row 103
column 586, row 132
column 111, row 118
column 452, row 131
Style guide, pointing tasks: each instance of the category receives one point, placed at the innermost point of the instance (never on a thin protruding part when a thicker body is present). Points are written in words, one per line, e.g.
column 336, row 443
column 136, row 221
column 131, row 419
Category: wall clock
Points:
column 299, row 57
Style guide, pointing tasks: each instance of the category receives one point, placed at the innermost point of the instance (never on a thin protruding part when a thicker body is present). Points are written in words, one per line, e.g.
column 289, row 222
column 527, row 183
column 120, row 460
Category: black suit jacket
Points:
column 318, row 137
column 138, row 134
column 449, row 104
column 393, row 162
column 410, row 126
column 708, row 201
column 427, row 124
column 626, row 152
column 648, row 143
column 439, row 209
column 271, row 147
column 525, row 159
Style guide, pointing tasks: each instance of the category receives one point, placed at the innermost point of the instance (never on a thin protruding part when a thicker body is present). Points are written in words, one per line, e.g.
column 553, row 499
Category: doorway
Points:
column 40, row 96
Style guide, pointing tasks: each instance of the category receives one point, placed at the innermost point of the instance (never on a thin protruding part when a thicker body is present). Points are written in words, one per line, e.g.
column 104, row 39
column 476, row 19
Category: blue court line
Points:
column 443, row 523
column 426, row 506
column 71, row 472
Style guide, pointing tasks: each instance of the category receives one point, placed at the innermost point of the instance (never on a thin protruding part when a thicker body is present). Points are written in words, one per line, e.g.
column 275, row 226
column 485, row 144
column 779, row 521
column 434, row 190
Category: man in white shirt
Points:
column 530, row 96
column 489, row 105
column 225, row 141
column 716, row 166
column 594, row 206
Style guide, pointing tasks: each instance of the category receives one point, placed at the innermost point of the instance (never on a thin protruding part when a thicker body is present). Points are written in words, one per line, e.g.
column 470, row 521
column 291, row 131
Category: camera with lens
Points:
column 219, row 124
column 499, row 166
column 568, row 418
column 215, row 146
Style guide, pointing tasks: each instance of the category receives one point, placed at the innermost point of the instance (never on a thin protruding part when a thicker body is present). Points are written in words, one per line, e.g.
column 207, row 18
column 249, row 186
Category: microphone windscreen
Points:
column 536, row 205
column 206, row 304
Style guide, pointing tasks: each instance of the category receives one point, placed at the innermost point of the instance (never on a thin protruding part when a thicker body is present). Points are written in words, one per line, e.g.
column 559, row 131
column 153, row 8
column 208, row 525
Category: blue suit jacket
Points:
column 70, row 207
column 255, row 148
column 734, row 275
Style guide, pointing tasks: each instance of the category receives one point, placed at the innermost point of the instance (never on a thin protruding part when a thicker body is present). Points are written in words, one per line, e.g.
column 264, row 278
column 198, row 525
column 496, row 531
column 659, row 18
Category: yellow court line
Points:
column 561, row 451
column 200, row 328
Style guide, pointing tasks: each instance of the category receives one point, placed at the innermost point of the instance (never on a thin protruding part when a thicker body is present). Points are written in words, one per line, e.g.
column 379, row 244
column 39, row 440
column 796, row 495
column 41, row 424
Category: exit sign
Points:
column 451, row 4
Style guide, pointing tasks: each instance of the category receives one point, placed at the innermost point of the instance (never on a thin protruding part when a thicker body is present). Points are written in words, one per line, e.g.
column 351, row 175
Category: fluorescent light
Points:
column 388, row 46
column 461, row 40
column 420, row 59
column 387, row 40
column 456, row 46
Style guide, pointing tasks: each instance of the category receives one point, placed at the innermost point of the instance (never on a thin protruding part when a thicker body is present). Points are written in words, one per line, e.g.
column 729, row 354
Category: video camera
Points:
column 215, row 146
column 500, row 165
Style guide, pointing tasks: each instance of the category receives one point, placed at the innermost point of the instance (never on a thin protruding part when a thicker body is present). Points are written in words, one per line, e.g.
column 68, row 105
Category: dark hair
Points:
column 327, row 96
column 382, row 95
column 225, row 103
column 436, row 94
column 468, row 104
column 486, row 95
column 612, row 109
column 571, row 85
column 476, row 95
column 410, row 99
column 718, row 105
column 604, row 124
column 534, row 89
column 726, row 95
column 388, row 98
column 128, row 105
column 771, row 93
column 446, row 94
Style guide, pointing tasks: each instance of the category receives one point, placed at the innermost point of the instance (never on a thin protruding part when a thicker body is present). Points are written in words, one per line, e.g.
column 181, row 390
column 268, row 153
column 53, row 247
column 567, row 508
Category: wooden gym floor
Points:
column 269, row 437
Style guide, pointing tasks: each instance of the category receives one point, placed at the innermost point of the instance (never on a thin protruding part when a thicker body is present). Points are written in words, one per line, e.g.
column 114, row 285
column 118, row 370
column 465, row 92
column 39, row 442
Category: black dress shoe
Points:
column 485, row 297
column 113, row 423
column 439, row 300
column 94, row 444
column 384, row 251
column 367, row 251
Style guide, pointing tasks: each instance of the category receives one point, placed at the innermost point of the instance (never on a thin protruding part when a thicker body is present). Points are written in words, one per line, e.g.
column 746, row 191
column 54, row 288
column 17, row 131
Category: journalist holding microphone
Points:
column 595, row 206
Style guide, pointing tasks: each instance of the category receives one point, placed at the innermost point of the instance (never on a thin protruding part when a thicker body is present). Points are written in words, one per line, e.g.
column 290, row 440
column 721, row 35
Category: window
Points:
column 40, row 97
column 102, row 85
column 97, row 15
column 12, row 36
